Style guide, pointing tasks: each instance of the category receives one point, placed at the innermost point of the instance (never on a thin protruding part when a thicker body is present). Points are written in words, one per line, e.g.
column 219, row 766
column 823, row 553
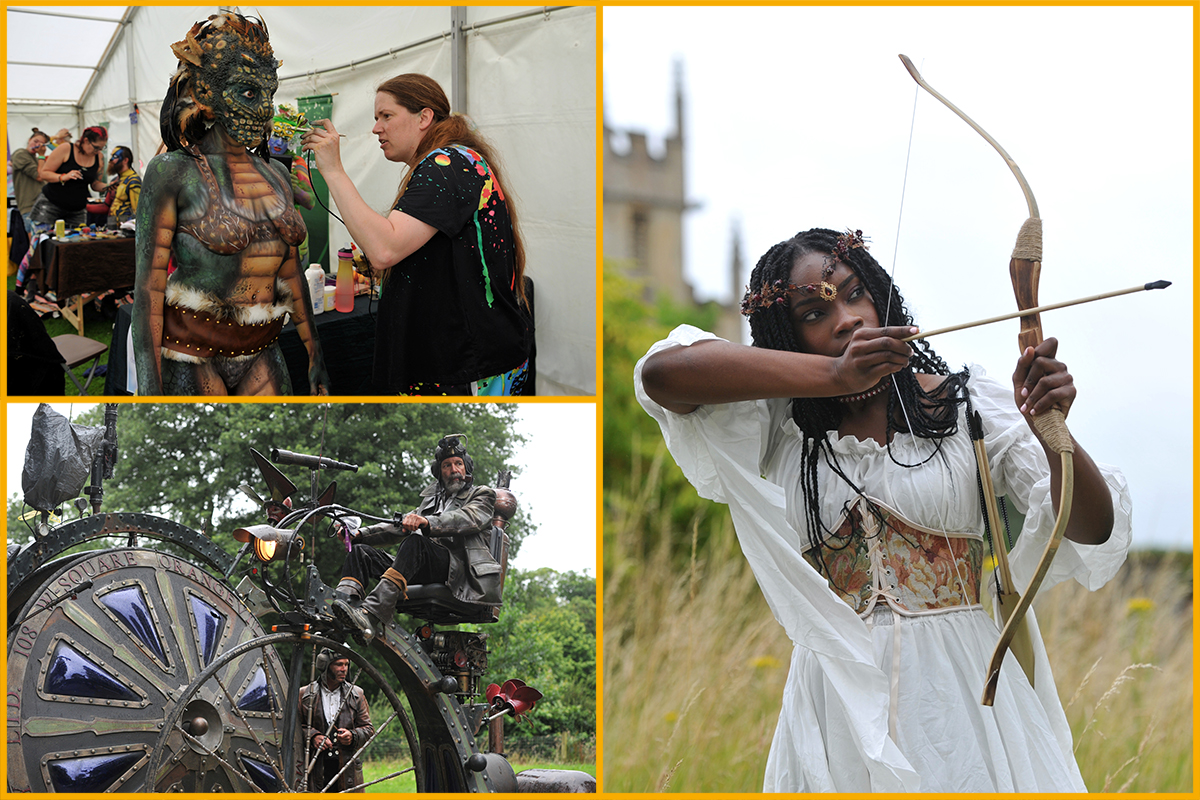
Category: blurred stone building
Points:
column 645, row 199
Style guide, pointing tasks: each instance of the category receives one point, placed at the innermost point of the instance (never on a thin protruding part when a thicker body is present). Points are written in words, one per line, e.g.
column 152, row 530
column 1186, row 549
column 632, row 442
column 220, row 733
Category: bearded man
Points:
column 126, row 186
column 444, row 540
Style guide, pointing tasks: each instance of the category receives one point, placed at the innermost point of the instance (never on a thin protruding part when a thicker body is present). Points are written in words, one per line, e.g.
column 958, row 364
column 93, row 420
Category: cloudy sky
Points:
column 800, row 117
column 559, row 434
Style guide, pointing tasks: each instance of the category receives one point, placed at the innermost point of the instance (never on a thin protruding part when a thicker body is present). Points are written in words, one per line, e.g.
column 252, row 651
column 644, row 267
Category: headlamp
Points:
column 269, row 544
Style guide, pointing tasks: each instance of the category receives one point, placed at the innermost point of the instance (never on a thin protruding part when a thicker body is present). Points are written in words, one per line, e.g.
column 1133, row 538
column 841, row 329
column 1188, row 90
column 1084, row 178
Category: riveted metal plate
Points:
column 99, row 526
column 88, row 689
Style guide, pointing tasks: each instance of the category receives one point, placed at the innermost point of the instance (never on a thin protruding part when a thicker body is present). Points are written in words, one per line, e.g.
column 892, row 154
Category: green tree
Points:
column 632, row 440
column 185, row 461
column 546, row 637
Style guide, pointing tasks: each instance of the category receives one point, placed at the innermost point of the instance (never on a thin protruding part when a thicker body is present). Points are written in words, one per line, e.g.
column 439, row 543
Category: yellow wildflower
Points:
column 1140, row 605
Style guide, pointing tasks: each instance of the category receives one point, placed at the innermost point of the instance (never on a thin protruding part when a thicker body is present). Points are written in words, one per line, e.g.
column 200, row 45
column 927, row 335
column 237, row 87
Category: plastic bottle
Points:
column 343, row 298
column 315, row 276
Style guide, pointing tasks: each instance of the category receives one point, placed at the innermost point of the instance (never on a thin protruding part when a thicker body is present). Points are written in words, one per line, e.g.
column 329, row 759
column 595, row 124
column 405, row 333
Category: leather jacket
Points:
column 464, row 527
column 355, row 716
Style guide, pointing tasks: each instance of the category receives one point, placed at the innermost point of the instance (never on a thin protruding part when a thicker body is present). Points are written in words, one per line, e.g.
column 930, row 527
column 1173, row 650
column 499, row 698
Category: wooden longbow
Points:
column 1024, row 269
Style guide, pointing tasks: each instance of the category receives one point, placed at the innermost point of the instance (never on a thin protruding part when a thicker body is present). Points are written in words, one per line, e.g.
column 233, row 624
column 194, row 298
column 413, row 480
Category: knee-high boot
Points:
column 369, row 620
column 351, row 588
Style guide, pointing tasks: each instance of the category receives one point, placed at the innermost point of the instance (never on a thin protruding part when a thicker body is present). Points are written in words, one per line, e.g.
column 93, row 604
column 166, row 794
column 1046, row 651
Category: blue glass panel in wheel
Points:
column 431, row 781
column 263, row 776
column 452, row 784
column 90, row 773
column 74, row 674
column 209, row 622
column 257, row 696
column 130, row 605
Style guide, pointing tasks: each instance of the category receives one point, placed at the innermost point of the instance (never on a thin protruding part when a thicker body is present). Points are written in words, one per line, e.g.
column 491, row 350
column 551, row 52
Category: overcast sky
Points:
column 556, row 486
column 800, row 117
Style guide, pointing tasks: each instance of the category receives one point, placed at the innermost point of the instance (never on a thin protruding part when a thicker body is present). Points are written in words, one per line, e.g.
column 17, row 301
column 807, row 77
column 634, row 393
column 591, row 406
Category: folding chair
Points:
column 77, row 350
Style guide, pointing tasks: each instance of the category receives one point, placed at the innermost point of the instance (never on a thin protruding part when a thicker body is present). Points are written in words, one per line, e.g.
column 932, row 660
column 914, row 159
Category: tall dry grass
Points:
column 694, row 663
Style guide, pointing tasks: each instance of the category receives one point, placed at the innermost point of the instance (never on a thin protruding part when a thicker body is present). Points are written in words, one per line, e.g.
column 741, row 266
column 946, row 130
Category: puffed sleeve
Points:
column 1021, row 472
column 720, row 448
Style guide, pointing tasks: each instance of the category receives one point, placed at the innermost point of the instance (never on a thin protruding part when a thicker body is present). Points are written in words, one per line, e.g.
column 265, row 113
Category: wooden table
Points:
column 77, row 271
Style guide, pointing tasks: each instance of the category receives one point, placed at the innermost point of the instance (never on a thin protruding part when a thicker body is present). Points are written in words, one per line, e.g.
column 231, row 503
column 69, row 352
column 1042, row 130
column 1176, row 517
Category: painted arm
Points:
column 289, row 273
column 134, row 192
column 156, row 220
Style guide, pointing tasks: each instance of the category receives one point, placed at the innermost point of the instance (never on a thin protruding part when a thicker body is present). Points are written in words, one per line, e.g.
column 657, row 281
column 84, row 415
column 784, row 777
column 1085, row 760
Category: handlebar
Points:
column 312, row 462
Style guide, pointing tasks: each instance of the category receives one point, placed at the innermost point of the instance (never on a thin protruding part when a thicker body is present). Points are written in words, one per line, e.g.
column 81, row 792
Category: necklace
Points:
column 854, row 398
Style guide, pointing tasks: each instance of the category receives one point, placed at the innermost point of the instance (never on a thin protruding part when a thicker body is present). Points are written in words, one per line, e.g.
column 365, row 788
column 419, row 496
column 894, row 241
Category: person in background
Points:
column 62, row 137
column 26, row 183
column 344, row 703
column 127, row 187
column 68, row 172
column 453, row 318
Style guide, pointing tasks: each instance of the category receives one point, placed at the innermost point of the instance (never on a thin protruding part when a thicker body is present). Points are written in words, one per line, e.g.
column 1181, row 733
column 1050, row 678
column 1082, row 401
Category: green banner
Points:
column 317, row 106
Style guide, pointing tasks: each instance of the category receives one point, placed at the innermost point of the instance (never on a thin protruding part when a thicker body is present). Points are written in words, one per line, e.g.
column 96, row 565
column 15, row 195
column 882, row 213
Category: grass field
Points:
column 373, row 770
column 95, row 326
column 694, row 667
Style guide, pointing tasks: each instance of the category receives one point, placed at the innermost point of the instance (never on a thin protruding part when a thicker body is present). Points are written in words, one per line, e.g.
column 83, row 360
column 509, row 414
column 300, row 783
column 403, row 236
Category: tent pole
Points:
column 458, row 59
column 132, row 85
column 105, row 58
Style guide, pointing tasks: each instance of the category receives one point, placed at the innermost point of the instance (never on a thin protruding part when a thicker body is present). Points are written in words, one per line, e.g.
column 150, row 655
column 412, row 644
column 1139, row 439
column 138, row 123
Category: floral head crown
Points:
column 776, row 292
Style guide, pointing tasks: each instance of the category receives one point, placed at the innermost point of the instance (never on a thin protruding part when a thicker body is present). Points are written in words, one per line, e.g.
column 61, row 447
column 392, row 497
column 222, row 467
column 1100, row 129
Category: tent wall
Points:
column 530, row 86
column 24, row 118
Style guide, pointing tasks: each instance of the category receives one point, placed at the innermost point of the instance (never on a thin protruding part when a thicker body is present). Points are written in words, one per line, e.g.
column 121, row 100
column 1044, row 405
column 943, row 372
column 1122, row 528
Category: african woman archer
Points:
column 217, row 266
column 853, row 480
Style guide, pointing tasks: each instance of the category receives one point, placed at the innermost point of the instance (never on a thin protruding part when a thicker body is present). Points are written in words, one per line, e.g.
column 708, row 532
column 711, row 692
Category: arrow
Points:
column 1029, row 311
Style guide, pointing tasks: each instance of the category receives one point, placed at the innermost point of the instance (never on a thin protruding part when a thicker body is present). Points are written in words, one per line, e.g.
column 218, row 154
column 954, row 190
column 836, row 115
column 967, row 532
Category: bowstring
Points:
column 888, row 309
column 896, row 245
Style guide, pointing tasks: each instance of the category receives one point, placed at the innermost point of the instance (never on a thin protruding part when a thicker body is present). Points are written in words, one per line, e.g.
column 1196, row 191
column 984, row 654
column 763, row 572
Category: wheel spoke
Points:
column 365, row 745
column 254, row 734
column 395, row 774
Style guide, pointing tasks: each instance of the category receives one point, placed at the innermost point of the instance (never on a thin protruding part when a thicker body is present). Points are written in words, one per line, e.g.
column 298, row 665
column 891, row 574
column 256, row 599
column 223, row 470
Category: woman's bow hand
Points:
column 871, row 355
column 1041, row 382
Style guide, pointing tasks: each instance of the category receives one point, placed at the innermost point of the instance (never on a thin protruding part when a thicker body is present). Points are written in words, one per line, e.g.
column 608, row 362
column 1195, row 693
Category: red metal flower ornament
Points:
column 514, row 697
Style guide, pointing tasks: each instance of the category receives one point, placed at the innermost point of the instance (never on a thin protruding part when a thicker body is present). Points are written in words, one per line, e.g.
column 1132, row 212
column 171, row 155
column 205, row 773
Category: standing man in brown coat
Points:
column 328, row 698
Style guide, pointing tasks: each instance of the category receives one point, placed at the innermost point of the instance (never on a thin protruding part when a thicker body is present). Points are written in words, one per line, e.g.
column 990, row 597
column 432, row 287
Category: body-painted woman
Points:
column 217, row 266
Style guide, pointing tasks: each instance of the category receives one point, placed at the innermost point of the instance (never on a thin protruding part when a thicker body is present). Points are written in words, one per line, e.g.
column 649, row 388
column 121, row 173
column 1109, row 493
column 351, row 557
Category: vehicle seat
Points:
column 435, row 602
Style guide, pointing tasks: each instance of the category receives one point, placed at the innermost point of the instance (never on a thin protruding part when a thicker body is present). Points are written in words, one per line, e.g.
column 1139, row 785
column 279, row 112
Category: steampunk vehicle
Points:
column 148, row 664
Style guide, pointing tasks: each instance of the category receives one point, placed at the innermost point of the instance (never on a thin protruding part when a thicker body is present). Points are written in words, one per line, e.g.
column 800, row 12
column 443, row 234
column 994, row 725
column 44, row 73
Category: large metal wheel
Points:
column 90, row 676
column 124, row 655
column 199, row 725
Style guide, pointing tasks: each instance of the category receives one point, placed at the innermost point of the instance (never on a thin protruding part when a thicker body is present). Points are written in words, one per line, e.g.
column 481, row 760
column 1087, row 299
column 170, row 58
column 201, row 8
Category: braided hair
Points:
column 927, row 415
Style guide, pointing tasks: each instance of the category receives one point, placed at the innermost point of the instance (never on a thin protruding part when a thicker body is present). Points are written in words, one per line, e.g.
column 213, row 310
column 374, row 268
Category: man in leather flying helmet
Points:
column 444, row 540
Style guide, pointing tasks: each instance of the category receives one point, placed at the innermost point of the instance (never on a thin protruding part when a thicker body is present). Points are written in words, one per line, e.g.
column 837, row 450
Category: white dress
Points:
column 892, row 703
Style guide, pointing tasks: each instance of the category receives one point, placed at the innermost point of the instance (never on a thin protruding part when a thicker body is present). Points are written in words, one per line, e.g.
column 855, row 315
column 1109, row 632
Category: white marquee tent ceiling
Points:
column 34, row 76
column 525, row 75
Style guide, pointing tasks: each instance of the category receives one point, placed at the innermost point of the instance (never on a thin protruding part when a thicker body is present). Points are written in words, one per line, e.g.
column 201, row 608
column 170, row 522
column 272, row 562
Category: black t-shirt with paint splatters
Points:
column 449, row 312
